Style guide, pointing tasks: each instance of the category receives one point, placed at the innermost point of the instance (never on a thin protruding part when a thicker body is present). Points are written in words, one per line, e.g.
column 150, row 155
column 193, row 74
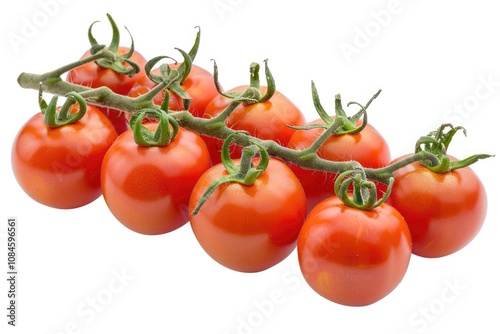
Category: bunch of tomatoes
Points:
column 248, row 210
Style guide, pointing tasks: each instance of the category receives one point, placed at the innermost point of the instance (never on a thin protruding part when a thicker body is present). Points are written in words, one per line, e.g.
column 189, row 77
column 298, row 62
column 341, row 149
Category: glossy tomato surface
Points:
column 250, row 228
column 353, row 257
column 264, row 120
column 199, row 85
column 94, row 76
column 148, row 188
column 367, row 147
column 444, row 211
column 60, row 167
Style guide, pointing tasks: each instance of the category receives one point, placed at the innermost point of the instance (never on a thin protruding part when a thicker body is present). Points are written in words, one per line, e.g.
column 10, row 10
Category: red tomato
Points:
column 94, row 76
column 444, row 211
column 368, row 147
column 199, row 85
column 147, row 188
column 264, row 120
column 60, row 167
column 351, row 256
column 249, row 228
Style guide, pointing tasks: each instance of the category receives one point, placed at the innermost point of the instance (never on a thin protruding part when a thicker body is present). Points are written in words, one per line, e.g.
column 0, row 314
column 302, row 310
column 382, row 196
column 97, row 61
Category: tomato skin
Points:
column 199, row 85
column 148, row 188
column 249, row 228
column 94, row 76
column 353, row 257
column 60, row 167
column 368, row 147
column 264, row 120
column 444, row 211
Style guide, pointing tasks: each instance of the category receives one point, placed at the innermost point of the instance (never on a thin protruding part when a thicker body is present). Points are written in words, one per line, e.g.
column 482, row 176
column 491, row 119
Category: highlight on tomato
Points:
column 247, row 214
column 354, row 251
column 445, row 204
column 57, row 153
column 149, row 172
column 337, row 138
column 119, row 71
column 266, row 115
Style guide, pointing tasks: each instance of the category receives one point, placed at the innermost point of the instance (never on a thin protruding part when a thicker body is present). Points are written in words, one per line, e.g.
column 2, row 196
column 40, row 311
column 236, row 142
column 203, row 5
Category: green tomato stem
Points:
column 55, row 118
column 271, row 84
column 319, row 107
column 249, row 95
column 349, row 123
column 357, row 191
column 437, row 143
column 162, row 136
column 254, row 83
column 116, row 62
column 245, row 174
column 55, row 74
column 254, row 76
column 102, row 96
column 307, row 159
column 324, row 136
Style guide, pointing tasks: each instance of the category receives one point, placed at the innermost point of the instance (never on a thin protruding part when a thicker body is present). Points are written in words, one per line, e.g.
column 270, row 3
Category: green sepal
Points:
column 356, row 191
column 165, row 132
column 55, row 118
column 246, row 173
column 437, row 143
column 349, row 123
column 254, row 83
column 113, row 60
column 173, row 77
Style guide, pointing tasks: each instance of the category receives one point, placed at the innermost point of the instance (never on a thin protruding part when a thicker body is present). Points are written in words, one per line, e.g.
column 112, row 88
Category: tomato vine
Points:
column 308, row 158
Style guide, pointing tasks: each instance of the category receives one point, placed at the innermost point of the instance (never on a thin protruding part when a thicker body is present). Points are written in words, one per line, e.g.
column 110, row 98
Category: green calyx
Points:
column 56, row 117
column 340, row 124
column 348, row 124
column 119, row 63
column 254, row 83
column 356, row 191
column 165, row 132
column 174, row 78
column 246, row 173
column 437, row 143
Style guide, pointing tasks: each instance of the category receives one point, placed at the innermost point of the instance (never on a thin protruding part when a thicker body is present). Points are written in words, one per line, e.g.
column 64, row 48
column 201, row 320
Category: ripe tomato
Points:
column 444, row 211
column 351, row 256
column 264, row 120
column 368, row 147
column 147, row 188
column 60, row 167
column 95, row 76
column 199, row 85
column 249, row 228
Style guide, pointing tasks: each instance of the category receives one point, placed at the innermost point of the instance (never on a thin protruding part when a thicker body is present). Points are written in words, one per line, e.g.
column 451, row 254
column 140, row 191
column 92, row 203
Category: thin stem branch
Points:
column 249, row 95
column 314, row 147
column 102, row 96
column 61, row 70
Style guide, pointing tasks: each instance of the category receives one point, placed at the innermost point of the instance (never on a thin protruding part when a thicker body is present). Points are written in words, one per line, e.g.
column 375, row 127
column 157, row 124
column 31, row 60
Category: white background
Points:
column 435, row 62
